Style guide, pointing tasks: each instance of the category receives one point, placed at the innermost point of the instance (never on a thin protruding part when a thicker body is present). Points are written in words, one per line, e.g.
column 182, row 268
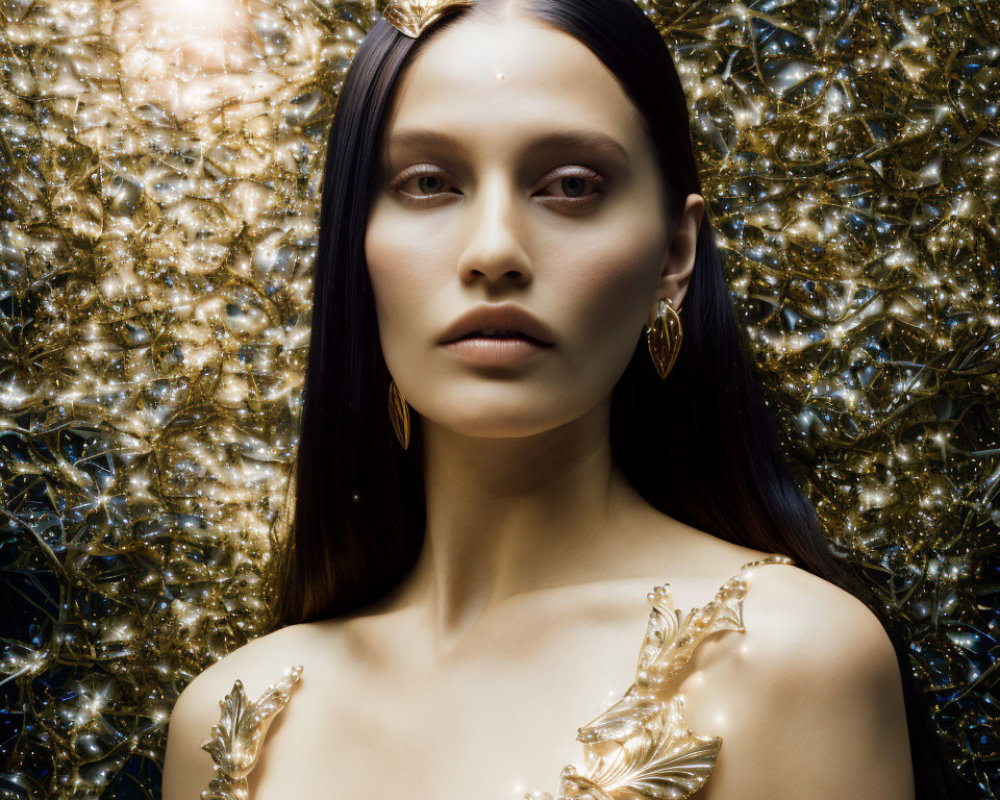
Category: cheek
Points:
column 396, row 268
column 610, row 289
column 404, row 252
column 614, row 286
column 394, row 283
column 383, row 248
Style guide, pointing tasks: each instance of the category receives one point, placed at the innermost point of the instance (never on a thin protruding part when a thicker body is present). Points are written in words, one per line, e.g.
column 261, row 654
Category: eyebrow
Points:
column 560, row 139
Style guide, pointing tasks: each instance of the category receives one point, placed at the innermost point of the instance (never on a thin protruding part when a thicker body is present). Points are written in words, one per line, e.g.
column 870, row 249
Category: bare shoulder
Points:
column 187, row 767
column 823, row 697
column 796, row 614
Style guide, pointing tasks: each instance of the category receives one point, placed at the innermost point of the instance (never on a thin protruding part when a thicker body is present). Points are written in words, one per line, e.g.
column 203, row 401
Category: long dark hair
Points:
column 359, row 512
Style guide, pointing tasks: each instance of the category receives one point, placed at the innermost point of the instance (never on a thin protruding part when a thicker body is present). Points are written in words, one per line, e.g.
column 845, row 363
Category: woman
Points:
column 510, row 200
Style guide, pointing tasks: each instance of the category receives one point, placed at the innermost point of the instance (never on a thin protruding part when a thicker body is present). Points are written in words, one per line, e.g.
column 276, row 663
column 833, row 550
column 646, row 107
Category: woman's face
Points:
column 516, row 172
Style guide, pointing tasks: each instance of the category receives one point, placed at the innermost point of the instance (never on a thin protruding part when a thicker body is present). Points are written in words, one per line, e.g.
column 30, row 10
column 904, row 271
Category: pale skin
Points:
column 524, row 614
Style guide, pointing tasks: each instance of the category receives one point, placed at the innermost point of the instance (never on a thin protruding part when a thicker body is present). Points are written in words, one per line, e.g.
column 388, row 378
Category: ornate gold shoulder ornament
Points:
column 640, row 748
column 412, row 16
column 237, row 738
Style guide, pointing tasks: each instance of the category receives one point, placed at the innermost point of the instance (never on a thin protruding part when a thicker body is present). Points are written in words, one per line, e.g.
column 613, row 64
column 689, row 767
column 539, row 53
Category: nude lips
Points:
column 498, row 350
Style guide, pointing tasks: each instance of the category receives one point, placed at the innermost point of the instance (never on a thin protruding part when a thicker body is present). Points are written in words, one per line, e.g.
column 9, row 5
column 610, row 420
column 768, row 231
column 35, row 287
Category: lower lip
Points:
column 496, row 349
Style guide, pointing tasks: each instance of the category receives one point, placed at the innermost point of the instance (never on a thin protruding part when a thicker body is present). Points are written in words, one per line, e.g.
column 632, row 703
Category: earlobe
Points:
column 679, row 264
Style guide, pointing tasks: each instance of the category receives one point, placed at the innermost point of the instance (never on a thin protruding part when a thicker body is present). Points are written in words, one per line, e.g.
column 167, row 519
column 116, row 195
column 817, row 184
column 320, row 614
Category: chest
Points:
column 496, row 720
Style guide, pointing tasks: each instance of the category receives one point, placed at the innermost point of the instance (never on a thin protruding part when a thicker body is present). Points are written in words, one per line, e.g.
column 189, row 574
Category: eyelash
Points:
column 407, row 175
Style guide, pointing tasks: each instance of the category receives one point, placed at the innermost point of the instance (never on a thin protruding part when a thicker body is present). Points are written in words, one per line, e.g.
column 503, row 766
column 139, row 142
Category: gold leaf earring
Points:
column 664, row 337
column 399, row 413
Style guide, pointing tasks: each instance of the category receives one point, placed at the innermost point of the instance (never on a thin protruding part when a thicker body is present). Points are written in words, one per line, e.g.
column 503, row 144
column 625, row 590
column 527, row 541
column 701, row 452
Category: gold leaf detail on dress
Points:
column 640, row 748
column 663, row 760
column 237, row 737
column 412, row 16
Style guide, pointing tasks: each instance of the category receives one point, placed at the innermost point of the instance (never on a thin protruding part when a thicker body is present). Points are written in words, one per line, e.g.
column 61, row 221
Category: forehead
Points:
column 500, row 80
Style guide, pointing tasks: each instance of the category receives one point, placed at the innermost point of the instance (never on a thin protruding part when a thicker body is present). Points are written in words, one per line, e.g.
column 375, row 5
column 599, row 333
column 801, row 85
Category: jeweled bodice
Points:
column 640, row 748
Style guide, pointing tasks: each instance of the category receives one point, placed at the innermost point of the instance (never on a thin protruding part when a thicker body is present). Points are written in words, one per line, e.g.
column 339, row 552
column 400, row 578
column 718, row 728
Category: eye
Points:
column 574, row 186
column 420, row 186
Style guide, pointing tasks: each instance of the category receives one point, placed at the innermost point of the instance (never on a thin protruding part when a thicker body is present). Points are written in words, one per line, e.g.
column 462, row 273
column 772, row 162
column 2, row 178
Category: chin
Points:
column 499, row 421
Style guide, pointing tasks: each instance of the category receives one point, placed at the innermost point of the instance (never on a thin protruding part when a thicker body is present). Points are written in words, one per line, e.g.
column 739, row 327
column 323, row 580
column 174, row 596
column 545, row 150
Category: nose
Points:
column 494, row 249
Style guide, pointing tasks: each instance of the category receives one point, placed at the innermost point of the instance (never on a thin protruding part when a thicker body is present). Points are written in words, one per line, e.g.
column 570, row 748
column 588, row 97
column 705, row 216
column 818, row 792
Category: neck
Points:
column 506, row 516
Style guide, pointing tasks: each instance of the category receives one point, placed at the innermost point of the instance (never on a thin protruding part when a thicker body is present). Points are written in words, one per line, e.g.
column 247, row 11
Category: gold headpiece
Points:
column 412, row 16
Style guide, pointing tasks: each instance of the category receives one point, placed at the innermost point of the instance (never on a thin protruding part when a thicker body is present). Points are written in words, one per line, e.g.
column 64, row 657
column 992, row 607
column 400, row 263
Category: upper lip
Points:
column 504, row 318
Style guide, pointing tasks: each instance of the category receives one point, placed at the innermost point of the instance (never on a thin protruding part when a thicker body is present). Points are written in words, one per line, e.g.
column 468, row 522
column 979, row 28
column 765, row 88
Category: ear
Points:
column 679, row 264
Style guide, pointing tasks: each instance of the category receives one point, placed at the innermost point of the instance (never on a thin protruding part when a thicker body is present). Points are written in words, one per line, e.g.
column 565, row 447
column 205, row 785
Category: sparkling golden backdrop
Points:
column 160, row 166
